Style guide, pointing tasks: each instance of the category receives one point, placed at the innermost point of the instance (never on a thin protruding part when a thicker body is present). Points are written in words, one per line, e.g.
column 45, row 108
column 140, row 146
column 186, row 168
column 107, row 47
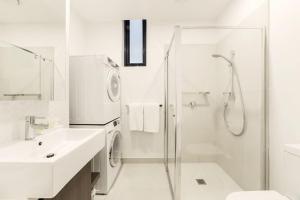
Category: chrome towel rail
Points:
column 127, row 107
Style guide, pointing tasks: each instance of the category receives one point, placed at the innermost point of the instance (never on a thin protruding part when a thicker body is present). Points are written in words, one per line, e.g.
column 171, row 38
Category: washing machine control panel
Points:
column 115, row 123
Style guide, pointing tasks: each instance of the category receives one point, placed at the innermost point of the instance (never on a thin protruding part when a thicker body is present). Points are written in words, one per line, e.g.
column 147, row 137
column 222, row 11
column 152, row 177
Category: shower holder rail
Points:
column 227, row 93
column 201, row 93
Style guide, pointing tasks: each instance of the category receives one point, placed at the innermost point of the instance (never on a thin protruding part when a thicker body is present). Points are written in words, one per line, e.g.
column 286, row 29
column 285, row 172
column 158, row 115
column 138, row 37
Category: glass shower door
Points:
column 204, row 160
column 172, row 116
column 223, row 134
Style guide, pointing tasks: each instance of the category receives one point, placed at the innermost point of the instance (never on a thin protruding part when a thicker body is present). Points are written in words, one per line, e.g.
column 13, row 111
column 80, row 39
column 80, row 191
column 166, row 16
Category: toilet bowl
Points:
column 256, row 195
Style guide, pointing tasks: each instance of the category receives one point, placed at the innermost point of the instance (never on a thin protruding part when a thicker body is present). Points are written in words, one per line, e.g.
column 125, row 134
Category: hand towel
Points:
column 151, row 117
column 136, row 122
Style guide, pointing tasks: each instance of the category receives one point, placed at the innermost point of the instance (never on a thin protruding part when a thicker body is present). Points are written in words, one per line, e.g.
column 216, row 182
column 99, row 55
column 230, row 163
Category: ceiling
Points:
column 163, row 10
column 32, row 11
column 53, row 11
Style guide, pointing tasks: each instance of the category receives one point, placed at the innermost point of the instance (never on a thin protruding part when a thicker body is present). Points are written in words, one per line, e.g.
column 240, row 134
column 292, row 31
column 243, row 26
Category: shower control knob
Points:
column 193, row 104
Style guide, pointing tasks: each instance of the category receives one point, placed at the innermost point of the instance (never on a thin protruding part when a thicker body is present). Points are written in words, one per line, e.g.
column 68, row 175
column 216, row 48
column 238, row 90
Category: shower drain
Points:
column 201, row 182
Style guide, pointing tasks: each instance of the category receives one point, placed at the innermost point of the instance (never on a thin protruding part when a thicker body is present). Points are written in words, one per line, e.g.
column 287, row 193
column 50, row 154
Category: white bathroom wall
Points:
column 244, row 153
column 284, row 84
column 105, row 38
column 78, row 37
column 245, row 13
column 12, row 114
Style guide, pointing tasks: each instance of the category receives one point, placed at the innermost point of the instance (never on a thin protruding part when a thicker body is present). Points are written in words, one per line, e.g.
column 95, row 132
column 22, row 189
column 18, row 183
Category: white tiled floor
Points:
column 149, row 182
column 140, row 182
column 219, row 183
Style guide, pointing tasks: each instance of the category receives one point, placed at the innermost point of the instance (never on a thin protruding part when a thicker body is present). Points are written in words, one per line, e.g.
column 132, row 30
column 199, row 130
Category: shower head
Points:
column 221, row 56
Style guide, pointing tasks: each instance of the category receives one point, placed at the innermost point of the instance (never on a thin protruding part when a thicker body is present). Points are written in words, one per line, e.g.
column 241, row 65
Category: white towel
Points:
column 151, row 117
column 136, row 122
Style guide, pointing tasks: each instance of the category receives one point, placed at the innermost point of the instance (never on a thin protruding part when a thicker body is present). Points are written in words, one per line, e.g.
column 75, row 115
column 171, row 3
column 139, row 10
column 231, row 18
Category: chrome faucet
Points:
column 31, row 126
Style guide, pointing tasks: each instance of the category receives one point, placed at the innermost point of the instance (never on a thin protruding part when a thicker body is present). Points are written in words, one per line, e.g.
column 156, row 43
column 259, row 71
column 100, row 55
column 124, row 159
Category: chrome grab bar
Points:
column 192, row 104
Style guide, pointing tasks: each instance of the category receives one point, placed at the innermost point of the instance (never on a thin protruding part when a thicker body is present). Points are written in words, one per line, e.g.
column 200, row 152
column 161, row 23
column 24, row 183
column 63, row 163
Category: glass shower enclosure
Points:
column 173, row 115
column 215, row 127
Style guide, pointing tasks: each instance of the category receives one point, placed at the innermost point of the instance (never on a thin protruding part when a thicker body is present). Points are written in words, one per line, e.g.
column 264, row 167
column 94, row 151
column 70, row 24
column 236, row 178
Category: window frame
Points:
column 127, row 45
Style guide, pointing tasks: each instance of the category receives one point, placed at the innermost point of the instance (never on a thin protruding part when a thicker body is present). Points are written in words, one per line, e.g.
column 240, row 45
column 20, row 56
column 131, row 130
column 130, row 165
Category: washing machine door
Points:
column 113, row 86
column 115, row 149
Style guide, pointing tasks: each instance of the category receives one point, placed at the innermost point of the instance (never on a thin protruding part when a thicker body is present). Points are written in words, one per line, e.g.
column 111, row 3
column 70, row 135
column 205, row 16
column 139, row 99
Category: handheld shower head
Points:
column 221, row 56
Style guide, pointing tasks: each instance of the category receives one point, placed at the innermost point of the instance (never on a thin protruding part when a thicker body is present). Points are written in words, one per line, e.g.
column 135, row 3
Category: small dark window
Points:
column 135, row 41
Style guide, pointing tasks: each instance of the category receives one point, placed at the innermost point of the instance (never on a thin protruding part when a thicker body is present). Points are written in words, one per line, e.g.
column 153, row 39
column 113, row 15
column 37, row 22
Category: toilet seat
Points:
column 256, row 195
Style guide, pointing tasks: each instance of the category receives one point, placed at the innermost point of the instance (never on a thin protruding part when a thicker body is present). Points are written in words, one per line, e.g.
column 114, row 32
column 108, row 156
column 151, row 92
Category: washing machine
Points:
column 108, row 162
column 95, row 90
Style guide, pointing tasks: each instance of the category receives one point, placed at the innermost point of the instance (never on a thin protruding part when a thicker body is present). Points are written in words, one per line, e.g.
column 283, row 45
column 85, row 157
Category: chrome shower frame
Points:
column 175, row 43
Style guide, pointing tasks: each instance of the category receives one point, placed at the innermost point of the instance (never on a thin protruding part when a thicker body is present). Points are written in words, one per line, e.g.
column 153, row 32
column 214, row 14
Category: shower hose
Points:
column 226, row 109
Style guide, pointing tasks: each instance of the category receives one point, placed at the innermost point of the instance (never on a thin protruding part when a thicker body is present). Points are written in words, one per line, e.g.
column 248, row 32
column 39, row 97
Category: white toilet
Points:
column 291, row 181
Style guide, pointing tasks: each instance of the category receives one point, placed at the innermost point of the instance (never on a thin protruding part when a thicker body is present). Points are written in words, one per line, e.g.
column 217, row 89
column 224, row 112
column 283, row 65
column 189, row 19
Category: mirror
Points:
column 32, row 50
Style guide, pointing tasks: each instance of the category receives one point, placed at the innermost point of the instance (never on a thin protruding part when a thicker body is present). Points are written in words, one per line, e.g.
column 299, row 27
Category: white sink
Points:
column 26, row 172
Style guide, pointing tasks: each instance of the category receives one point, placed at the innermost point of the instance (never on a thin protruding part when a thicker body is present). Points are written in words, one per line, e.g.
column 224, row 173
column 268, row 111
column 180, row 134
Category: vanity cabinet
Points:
column 79, row 187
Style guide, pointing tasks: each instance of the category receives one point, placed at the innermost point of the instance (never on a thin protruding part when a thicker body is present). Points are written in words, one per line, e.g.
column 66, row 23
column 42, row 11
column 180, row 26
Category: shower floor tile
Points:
column 140, row 182
column 218, row 183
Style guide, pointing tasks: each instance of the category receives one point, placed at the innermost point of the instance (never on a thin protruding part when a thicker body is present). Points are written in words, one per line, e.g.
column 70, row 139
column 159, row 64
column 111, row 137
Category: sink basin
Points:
column 42, row 167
